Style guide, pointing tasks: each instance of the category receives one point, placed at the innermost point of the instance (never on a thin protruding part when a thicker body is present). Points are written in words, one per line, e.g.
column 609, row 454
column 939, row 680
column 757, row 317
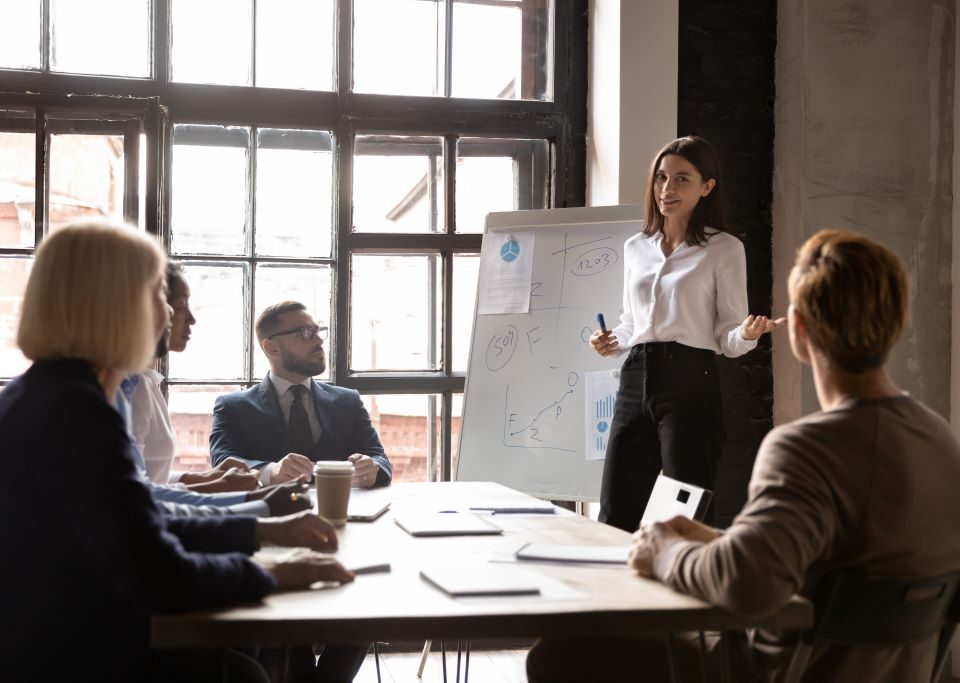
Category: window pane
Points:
column 20, row 34
column 209, row 198
column 310, row 285
column 398, row 184
column 13, row 280
column 500, row 50
column 294, row 193
column 101, row 37
column 498, row 175
column 211, row 41
column 191, row 410
column 86, row 177
column 295, row 44
column 217, row 346
column 17, row 191
column 465, row 271
column 404, row 425
column 398, row 47
column 394, row 324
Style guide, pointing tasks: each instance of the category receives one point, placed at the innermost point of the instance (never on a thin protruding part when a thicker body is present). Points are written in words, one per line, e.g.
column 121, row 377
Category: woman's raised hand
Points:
column 755, row 326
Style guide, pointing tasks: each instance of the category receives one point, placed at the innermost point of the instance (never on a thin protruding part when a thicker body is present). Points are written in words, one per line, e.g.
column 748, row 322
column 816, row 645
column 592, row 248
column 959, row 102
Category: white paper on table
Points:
column 507, row 260
column 600, row 395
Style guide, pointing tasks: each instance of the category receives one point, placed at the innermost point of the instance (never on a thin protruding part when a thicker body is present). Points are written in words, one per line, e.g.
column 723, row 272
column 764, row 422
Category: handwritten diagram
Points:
column 536, row 428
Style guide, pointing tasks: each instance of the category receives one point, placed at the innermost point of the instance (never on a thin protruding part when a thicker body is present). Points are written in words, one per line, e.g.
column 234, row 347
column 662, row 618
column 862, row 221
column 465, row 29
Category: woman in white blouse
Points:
column 684, row 302
column 152, row 430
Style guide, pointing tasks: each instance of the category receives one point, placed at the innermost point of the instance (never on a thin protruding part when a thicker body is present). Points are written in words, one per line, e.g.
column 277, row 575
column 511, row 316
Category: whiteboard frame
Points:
column 543, row 218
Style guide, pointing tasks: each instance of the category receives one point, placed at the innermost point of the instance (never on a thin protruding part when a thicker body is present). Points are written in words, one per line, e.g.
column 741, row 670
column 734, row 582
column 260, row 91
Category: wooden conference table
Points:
column 581, row 600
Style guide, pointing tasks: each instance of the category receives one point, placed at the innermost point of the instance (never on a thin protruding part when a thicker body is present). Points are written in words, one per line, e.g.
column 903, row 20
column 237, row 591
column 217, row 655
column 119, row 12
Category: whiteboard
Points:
column 523, row 422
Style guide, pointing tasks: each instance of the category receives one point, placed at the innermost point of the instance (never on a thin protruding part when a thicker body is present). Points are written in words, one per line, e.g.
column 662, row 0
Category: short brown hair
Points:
column 89, row 297
column 852, row 293
column 268, row 322
column 709, row 212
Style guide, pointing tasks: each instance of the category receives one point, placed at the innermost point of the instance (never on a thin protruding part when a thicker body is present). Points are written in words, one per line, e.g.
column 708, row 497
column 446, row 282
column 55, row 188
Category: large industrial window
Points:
column 343, row 154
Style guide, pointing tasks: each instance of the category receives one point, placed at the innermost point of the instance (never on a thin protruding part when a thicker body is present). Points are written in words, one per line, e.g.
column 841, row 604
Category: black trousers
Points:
column 668, row 416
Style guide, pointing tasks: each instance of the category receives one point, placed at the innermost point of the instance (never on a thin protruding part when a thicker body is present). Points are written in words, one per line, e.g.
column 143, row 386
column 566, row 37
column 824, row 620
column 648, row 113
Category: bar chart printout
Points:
column 600, row 398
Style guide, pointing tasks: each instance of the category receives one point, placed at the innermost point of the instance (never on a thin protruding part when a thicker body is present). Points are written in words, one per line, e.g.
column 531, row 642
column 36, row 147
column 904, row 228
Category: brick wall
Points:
column 405, row 438
column 726, row 94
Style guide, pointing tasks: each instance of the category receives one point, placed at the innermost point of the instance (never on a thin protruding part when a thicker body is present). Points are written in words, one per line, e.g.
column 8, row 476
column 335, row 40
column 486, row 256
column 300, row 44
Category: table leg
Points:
column 671, row 664
column 423, row 657
column 443, row 657
column 704, row 668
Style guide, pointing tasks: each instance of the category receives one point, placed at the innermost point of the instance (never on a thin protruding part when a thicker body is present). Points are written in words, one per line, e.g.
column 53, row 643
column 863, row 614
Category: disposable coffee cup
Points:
column 333, row 479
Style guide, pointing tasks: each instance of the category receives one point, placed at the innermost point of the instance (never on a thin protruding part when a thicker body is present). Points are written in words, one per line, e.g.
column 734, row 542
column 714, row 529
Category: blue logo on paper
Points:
column 602, row 427
column 510, row 250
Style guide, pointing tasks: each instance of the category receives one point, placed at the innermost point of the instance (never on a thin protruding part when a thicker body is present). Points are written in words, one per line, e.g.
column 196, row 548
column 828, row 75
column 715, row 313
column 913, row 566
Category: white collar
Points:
column 281, row 386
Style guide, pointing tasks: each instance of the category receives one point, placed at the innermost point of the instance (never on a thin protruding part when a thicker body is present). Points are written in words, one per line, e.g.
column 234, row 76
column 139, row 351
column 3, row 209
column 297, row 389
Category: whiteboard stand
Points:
column 524, row 413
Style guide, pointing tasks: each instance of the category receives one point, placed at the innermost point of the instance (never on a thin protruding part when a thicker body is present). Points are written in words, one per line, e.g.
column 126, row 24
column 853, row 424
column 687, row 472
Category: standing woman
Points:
column 684, row 302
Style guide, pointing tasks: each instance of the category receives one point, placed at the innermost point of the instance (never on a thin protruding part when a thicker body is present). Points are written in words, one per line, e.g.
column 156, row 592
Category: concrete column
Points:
column 864, row 142
column 632, row 95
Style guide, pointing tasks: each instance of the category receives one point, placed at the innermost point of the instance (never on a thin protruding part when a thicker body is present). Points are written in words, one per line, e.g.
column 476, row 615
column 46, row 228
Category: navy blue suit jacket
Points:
column 249, row 425
column 87, row 555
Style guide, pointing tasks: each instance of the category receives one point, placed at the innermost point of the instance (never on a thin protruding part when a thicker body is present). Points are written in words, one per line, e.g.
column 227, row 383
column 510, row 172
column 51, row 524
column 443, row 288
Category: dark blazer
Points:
column 249, row 425
column 87, row 555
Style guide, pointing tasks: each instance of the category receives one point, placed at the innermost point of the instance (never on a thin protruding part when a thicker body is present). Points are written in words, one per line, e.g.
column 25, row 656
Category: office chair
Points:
column 852, row 608
column 946, row 635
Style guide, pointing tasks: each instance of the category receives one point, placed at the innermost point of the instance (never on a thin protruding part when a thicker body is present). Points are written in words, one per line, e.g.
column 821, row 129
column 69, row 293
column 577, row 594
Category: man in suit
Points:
column 289, row 421
column 284, row 425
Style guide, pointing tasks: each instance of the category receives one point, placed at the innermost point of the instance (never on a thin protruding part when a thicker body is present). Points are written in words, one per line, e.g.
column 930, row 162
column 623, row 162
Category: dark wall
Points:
column 726, row 94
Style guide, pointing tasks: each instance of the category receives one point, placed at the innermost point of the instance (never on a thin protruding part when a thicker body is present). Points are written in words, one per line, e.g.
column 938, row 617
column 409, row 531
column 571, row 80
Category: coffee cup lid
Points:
column 333, row 467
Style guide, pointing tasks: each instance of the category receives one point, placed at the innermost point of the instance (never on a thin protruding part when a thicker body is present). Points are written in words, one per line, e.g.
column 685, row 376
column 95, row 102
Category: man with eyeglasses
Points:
column 290, row 421
column 284, row 425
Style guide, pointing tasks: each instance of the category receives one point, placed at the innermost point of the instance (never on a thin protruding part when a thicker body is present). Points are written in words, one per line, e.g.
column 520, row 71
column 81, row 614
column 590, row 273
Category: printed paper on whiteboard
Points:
column 508, row 271
column 600, row 395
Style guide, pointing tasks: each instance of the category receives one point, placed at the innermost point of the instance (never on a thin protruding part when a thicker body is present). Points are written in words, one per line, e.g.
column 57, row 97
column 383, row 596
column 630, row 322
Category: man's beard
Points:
column 303, row 366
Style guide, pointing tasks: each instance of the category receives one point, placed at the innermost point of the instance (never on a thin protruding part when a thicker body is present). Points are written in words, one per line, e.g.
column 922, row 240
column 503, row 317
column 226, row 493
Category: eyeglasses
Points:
column 306, row 333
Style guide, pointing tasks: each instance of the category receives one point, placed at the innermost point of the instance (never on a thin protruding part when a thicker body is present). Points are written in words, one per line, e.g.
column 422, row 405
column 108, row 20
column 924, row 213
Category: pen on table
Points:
column 600, row 321
column 515, row 511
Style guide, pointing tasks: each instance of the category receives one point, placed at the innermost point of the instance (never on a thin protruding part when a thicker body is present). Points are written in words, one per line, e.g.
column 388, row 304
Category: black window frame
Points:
column 158, row 104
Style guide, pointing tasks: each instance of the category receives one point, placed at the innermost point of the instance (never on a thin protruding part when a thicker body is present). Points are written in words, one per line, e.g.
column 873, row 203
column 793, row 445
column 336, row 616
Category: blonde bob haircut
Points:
column 89, row 297
column 853, row 295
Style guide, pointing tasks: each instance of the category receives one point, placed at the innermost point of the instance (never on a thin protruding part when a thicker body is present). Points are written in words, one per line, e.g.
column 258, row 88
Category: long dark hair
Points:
column 709, row 210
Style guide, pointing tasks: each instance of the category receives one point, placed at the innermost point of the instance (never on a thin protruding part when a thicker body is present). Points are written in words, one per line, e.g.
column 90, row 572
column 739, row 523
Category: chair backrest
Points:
column 946, row 638
column 851, row 607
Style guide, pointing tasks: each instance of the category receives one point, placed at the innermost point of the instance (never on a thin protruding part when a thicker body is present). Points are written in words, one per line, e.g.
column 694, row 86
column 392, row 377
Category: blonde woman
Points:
column 88, row 557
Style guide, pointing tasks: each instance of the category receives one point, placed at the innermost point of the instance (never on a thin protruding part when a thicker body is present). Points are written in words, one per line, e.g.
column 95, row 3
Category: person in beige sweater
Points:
column 871, row 482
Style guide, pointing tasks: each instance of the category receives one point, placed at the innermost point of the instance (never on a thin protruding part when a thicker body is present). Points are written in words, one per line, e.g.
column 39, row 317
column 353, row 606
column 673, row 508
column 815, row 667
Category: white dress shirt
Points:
column 697, row 296
column 151, row 427
column 285, row 397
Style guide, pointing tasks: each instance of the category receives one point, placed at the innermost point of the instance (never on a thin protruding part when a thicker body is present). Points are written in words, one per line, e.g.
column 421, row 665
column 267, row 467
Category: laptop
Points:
column 671, row 498
column 366, row 508
column 444, row 524
column 475, row 581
